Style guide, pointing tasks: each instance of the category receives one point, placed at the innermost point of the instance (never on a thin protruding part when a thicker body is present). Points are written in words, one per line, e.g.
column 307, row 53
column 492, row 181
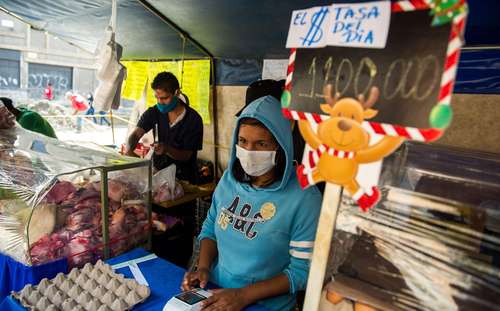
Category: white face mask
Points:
column 256, row 163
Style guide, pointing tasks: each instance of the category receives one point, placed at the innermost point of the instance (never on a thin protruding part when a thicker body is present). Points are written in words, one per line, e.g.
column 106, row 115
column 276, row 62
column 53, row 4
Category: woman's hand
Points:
column 191, row 279
column 230, row 299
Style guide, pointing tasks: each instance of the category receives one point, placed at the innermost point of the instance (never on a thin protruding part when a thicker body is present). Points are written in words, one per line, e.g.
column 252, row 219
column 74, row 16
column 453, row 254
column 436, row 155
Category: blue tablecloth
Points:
column 10, row 304
column 163, row 277
column 14, row 275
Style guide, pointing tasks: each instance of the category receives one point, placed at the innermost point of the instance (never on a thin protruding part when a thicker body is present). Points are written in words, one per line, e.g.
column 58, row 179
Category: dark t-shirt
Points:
column 185, row 135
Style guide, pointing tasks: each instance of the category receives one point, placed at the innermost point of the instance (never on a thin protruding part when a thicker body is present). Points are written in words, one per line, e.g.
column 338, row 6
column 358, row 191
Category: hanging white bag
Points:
column 110, row 72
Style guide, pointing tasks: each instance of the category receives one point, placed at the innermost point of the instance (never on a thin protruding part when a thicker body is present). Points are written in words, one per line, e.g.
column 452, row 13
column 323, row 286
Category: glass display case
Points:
column 432, row 243
column 62, row 200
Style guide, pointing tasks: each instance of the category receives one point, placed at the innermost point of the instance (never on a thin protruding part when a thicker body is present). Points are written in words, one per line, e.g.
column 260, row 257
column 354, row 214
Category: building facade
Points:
column 30, row 59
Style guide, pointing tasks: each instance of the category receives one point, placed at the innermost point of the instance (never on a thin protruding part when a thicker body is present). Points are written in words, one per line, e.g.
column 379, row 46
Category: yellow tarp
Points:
column 196, row 85
column 195, row 82
column 137, row 76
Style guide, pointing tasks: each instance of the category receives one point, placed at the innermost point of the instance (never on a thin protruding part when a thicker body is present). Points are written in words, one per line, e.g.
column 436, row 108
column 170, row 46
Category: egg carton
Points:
column 92, row 288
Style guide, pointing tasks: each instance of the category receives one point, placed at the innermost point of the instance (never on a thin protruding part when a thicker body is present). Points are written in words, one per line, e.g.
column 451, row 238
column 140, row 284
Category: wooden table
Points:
column 191, row 193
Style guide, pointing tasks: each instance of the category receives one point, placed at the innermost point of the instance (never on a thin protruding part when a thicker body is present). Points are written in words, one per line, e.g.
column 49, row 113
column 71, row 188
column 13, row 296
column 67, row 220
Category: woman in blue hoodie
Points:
column 258, row 237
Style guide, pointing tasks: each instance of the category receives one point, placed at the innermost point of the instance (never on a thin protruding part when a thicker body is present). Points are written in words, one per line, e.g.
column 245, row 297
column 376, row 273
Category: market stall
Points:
column 420, row 244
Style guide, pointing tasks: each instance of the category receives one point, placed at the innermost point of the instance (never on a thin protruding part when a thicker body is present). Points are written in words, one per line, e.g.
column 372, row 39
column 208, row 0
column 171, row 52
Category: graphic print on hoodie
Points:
column 263, row 232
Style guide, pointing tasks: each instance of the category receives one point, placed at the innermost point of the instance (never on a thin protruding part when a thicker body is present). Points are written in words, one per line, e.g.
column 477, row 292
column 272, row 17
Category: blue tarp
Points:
column 82, row 22
column 479, row 72
column 237, row 71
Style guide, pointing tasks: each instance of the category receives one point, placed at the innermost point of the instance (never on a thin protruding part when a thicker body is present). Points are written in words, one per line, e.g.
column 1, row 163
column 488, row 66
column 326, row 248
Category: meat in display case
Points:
column 432, row 243
column 53, row 196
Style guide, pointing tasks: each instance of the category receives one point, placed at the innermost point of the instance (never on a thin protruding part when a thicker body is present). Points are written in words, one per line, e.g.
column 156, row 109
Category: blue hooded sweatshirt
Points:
column 263, row 232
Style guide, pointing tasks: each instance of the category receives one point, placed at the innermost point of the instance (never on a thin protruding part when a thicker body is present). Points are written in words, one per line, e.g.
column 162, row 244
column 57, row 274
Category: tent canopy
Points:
column 239, row 34
column 230, row 29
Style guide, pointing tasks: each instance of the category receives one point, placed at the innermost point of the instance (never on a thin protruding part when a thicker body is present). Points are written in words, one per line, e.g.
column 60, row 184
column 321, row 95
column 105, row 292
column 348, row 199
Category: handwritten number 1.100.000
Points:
column 415, row 78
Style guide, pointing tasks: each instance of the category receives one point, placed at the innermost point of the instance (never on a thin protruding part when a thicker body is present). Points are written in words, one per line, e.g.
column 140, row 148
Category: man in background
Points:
column 177, row 128
column 178, row 132
column 28, row 119
column 91, row 112
column 47, row 92
column 78, row 104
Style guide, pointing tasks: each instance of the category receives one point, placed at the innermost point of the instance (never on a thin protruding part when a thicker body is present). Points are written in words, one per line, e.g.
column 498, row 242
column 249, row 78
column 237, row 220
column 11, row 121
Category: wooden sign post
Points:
column 345, row 71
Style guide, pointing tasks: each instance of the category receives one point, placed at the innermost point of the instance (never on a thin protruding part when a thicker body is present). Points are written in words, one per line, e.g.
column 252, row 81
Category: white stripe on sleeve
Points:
column 302, row 244
column 300, row 255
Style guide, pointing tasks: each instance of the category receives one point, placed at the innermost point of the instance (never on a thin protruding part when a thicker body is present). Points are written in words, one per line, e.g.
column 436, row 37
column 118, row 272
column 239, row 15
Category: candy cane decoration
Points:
column 290, row 69
column 452, row 56
column 410, row 5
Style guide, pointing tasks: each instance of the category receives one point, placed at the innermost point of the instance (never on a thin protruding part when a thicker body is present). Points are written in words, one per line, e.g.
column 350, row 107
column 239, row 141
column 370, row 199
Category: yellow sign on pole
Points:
column 137, row 76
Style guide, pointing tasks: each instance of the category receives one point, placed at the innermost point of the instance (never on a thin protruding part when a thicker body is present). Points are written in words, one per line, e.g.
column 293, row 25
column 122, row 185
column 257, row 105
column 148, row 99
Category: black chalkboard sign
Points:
column 408, row 71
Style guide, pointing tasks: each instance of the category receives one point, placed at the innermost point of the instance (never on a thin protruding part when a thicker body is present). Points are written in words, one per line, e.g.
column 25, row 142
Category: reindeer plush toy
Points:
column 341, row 144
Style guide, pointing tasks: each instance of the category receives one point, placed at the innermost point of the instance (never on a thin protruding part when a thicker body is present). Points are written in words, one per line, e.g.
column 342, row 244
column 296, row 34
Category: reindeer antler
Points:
column 372, row 98
column 328, row 91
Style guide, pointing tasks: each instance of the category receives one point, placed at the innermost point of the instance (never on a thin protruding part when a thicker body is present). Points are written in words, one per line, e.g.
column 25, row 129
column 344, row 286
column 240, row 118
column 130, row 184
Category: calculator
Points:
column 187, row 301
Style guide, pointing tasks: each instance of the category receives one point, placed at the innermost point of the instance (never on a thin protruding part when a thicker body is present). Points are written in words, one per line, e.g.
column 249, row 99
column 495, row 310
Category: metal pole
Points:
column 112, row 126
column 321, row 252
column 105, row 212
column 150, row 207
column 479, row 47
column 215, row 119
column 182, row 61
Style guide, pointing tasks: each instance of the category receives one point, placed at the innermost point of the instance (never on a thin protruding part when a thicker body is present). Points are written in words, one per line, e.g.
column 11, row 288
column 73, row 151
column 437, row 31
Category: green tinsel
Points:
column 445, row 10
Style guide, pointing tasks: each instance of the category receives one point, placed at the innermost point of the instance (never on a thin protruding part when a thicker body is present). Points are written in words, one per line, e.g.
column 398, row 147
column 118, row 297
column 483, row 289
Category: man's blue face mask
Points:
column 166, row 108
